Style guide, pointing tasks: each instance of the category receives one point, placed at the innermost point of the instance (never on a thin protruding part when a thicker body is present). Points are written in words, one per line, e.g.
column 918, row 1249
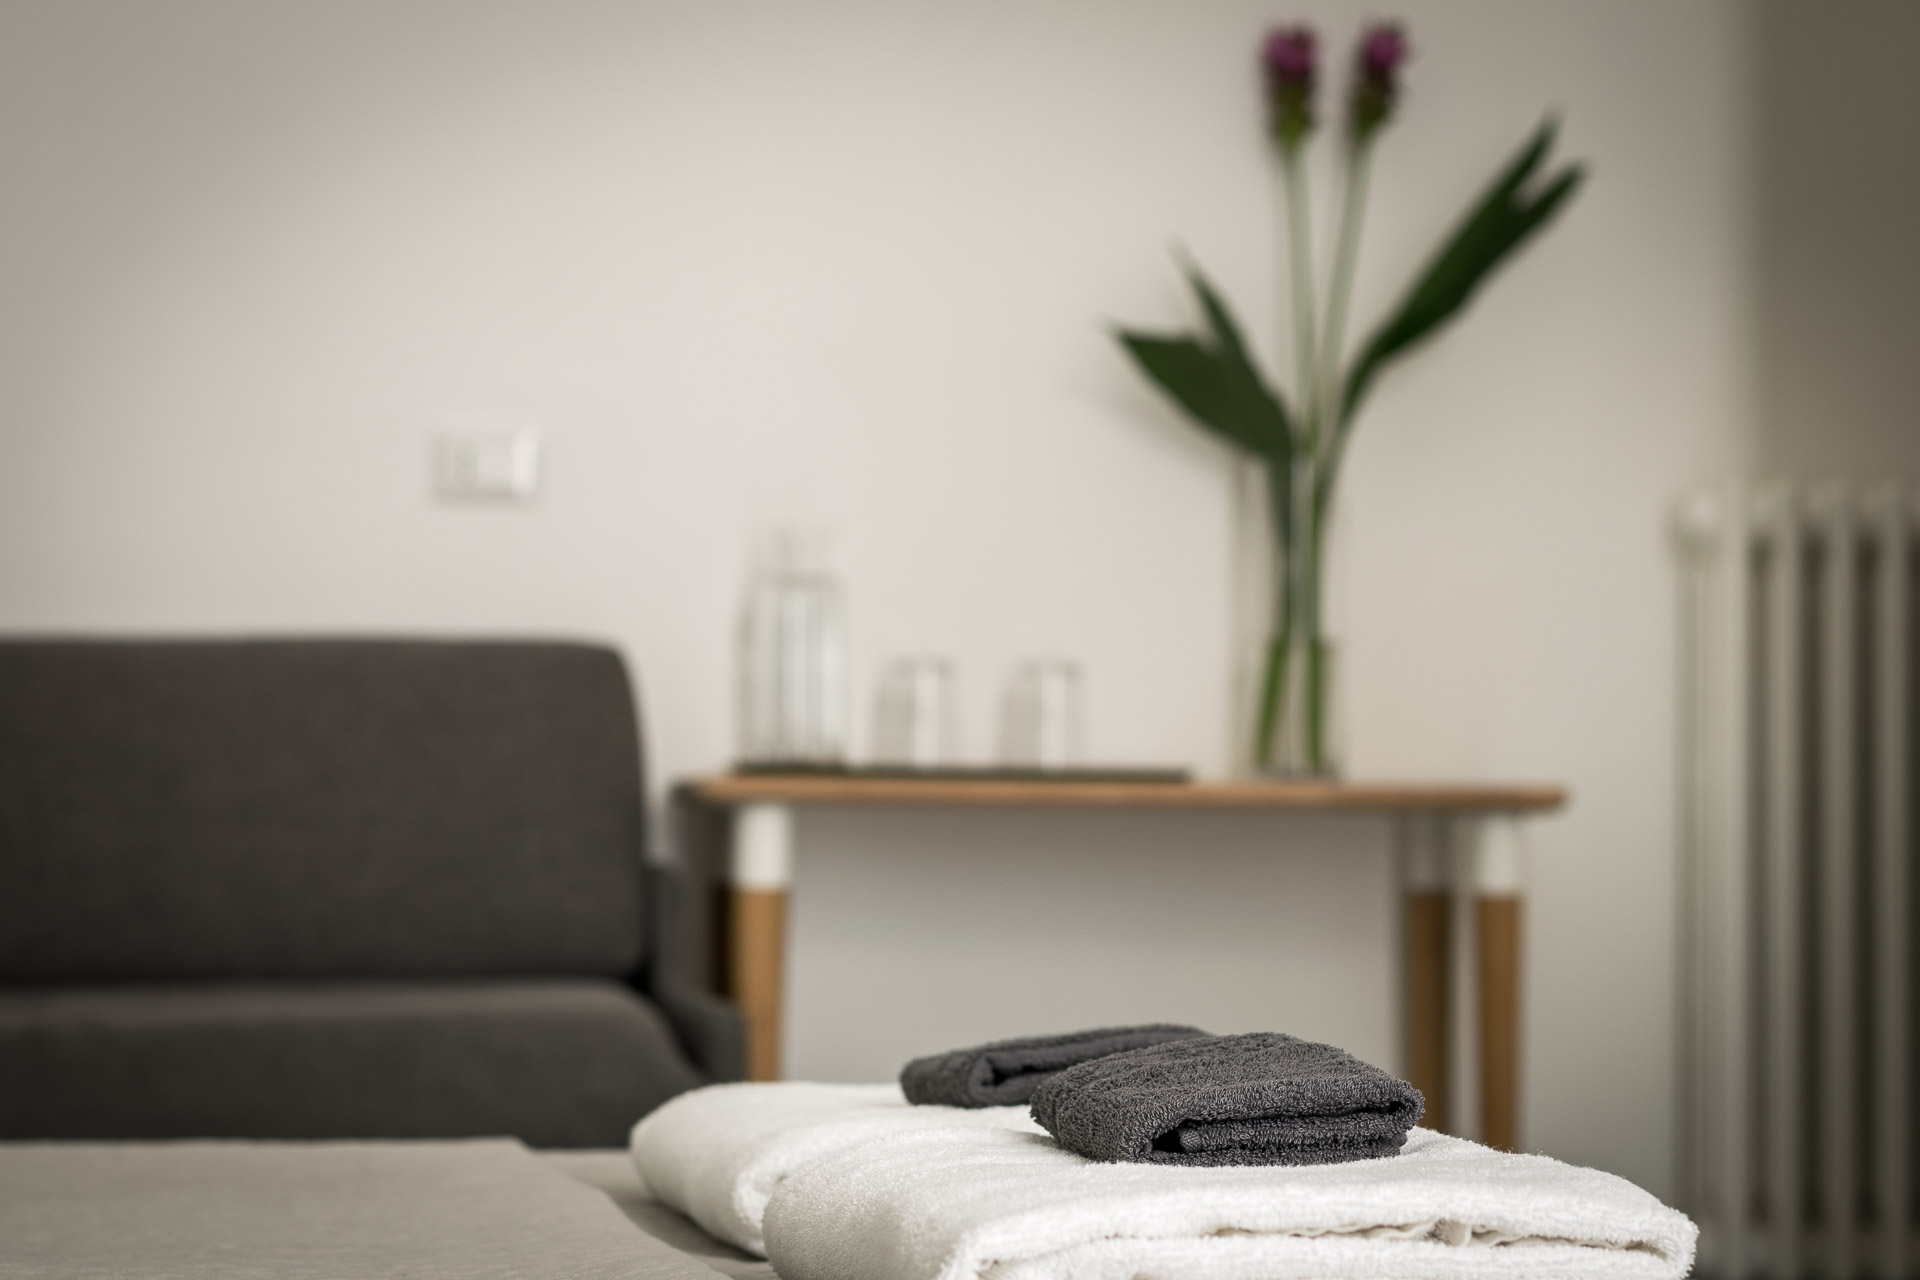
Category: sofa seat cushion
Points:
column 554, row 1062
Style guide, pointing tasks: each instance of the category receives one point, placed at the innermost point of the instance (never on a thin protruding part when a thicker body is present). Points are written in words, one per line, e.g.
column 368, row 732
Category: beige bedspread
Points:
column 613, row 1173
column 333, row 1210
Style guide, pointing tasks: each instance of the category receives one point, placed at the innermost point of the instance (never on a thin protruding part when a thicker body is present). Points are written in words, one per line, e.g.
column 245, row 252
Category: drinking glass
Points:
column 917, row 722
column 1043, row 724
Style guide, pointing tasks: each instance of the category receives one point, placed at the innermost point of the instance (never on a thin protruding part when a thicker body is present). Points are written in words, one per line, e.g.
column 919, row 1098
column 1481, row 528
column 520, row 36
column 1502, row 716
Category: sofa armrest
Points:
column 710, row 1028
column 678, row 976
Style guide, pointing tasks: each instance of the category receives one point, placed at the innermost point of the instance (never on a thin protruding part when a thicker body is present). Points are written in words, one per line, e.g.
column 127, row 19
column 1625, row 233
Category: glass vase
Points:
column 1306, row 731
column 1286, row 688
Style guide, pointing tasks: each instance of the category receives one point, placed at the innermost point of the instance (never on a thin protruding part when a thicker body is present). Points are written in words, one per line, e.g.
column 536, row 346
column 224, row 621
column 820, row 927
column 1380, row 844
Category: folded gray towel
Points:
column 1254, row 1099
column 1006, row 1072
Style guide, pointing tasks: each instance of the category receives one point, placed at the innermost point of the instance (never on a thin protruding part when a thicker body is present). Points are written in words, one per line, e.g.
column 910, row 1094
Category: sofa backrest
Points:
column 279, row 808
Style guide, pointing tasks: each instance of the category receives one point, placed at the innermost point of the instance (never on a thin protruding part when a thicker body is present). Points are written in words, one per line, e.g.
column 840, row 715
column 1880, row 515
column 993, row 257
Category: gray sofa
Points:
column 319, row 889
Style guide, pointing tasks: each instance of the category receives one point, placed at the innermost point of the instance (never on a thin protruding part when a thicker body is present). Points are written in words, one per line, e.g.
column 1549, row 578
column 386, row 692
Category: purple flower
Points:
column 1290, row 56
column 1290, row 59
column 1376, row 77
column 1382, row 49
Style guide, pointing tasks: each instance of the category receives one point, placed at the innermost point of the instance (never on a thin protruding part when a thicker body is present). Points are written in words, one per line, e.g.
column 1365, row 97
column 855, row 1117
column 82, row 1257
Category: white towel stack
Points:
column 958, row 1204
column 717, row 1154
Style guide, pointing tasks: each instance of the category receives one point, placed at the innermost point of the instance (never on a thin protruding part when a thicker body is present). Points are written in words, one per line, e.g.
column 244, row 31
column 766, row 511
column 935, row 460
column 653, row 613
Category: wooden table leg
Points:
column 1427, row 957
column 753, row 928
column 1497, row 878
column 1499, row 926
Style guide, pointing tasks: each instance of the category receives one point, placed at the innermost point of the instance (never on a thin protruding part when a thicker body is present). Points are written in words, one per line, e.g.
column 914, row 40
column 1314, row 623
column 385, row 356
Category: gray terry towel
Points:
column 1006, row 1072
column 1264, row 1098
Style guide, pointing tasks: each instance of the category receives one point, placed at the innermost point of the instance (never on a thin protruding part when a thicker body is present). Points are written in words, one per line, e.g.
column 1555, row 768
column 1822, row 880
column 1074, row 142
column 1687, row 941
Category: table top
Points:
column 853, row 790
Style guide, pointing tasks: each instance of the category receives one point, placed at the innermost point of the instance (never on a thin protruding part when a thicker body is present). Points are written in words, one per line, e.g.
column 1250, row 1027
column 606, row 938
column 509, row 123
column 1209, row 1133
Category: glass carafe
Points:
column 794, row 649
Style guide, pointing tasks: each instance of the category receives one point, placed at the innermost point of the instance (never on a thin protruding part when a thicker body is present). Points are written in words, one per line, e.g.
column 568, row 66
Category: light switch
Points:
column 487, row 467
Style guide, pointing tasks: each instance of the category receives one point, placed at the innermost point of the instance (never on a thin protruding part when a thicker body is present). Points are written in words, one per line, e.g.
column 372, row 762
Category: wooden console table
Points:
column 746, row 822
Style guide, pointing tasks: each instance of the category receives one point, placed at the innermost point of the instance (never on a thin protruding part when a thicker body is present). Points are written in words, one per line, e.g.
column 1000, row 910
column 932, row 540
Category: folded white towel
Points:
column 716, row 1154
column 956, row 1205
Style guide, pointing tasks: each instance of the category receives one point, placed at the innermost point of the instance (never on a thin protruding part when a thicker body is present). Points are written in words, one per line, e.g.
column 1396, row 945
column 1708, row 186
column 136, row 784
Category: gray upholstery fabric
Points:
column 316, row 808
column 1263, row 1098
column 329, row 1211
column 711, row 1030
column 556, row 1063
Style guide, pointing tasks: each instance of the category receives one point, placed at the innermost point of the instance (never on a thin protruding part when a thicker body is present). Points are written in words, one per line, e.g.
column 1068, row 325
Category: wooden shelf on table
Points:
column 732, row 789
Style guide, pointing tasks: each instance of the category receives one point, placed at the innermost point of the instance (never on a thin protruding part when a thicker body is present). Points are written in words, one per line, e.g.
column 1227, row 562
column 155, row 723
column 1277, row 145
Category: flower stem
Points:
column 1294, row 544
column 1340, row 287
column 1300, row 241
column 1313, row 490
column 1273, row 680
column 1305, row 593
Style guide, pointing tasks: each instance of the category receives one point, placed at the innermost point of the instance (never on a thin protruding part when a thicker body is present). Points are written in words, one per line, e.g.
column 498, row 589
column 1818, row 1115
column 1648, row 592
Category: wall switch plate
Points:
column 487, row 467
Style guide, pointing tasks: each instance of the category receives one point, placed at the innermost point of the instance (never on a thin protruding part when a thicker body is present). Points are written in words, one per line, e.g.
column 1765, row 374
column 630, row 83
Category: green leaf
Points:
column 1265, row 409
column 1214, row 379
column 1220, row 321
column 1505, row 217
column 1199, row 381
column 1216, row 382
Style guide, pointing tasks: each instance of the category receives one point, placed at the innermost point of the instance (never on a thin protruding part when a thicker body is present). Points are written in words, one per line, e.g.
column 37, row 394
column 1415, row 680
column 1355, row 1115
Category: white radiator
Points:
column 1797, row 1141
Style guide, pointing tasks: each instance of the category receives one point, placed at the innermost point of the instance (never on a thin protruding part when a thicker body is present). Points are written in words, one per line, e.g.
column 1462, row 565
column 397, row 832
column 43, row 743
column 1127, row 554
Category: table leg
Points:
column 1427, row 961
column 1499, row 866
column 753, row 928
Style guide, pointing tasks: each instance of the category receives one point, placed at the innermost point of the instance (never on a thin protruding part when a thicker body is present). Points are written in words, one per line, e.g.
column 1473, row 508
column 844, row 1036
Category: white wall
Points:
column 915, row 936
column 849, row 264
column 1837, row 279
